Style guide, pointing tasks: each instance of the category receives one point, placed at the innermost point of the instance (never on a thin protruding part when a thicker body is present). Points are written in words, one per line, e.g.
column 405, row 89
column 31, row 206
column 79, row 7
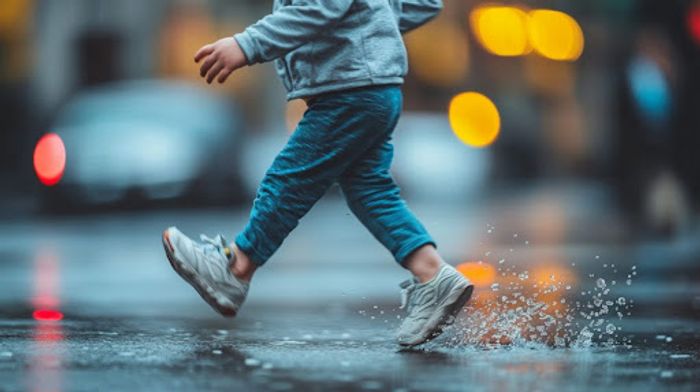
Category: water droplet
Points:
column 501, row 261
column 597, row 257
column 216, row 352
column 621, row 301
column 629, row 282
column 495, row 286
column 666, row 374
column 600, row 282
column 610, row 329
column 669, row 339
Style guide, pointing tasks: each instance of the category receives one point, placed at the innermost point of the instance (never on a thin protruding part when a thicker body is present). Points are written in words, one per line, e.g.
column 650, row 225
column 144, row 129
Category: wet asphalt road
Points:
column 320, row 316
column 316, row 349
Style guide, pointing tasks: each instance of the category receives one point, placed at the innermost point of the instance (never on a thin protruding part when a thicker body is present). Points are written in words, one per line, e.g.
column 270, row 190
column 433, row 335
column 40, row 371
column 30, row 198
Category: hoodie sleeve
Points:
column 289, row 27
column 414, row 13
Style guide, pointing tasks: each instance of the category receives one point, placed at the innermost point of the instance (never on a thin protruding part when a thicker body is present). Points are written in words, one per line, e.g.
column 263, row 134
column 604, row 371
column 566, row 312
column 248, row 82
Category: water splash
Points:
column 542, row 307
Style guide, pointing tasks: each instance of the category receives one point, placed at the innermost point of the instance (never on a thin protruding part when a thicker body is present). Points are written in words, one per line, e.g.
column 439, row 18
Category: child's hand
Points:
column 222, row 58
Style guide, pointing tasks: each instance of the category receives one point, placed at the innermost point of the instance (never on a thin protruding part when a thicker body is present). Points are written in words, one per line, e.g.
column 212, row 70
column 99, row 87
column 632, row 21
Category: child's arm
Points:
column 271, row 37
column 414, row 13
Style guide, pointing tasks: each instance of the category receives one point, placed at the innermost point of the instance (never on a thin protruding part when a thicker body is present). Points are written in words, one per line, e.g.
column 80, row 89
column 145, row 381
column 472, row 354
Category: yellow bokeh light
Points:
column 501, row 30
column 555, row 35
column 474, row 119
column 480, row 274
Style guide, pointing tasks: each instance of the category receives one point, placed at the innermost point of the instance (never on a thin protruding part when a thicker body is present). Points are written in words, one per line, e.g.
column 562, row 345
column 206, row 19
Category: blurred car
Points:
column 142, row 143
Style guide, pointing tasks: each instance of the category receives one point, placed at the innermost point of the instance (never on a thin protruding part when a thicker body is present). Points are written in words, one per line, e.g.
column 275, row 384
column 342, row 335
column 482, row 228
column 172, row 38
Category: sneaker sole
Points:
column 203, row 288
column 447, row 319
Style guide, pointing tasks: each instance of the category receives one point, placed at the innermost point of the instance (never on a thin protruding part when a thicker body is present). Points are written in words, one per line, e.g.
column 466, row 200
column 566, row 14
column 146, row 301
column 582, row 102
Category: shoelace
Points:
column 407, row 288
column 217, row 243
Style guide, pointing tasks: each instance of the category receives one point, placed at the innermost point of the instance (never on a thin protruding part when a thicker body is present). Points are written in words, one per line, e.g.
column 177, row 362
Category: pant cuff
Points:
column 246, row 247
column 412, row 246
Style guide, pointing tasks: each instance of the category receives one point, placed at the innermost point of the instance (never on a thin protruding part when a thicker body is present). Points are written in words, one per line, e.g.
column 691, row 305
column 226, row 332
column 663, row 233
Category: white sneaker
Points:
column 206, row 266
column 432, row 305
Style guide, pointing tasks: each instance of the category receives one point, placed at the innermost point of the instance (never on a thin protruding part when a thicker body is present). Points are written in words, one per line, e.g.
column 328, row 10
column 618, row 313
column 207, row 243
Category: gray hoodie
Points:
column 327, row 45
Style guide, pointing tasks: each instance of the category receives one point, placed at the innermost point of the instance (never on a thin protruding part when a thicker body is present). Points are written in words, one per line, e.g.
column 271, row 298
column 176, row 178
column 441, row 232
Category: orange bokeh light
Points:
column 481, row 274
column 553, row 274
column 50, row 159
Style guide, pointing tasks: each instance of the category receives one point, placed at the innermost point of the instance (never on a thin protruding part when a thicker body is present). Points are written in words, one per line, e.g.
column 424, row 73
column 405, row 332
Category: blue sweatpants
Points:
column 343, row 137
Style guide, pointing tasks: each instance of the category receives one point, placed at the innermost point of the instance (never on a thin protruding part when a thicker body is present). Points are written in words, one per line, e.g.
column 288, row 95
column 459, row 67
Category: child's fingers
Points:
column 224, row 74
column 206, row 65
column 204, row 51
column 215, row 71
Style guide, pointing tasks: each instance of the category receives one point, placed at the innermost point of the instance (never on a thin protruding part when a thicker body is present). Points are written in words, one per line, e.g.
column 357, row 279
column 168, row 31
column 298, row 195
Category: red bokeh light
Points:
column 47, row 315
column 49, row 159
column 694, row 23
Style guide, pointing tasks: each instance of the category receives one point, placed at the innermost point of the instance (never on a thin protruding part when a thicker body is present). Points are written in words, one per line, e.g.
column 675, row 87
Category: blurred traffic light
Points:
column 49, row 159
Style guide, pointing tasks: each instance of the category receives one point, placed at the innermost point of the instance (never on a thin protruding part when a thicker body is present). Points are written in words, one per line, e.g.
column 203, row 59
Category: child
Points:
column 346, row 59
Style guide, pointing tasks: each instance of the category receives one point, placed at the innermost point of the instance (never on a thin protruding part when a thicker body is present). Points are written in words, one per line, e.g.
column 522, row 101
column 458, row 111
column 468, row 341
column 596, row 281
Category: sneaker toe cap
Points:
column 174, row 238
